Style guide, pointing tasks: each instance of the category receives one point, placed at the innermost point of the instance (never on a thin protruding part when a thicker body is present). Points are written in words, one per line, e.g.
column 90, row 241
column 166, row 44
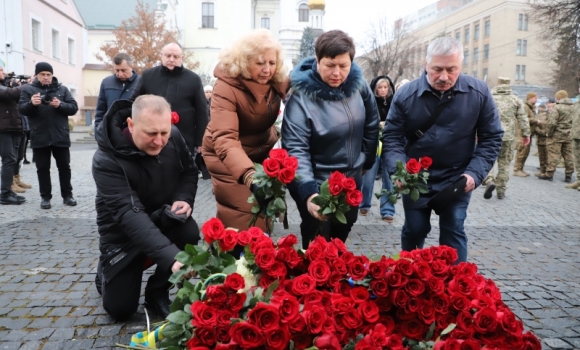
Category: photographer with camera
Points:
column 48, row 104
column 10, row 135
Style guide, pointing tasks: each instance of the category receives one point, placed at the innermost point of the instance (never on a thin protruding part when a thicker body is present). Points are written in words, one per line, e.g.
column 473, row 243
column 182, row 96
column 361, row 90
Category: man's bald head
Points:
column 172, row 56
column 150, row 124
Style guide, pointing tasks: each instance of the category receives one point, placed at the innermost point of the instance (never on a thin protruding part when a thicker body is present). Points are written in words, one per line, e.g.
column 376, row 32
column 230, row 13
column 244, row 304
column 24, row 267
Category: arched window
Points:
column 303, row 13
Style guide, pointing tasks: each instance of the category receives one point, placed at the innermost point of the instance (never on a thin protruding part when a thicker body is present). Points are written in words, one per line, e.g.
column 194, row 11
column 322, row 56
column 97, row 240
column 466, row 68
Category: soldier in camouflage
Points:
column 575, row 134
column 540, row 131
column 559, row 140
column 523, row 151
column 511, row 111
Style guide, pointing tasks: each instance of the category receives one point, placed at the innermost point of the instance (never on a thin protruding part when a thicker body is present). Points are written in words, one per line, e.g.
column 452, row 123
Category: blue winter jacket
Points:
column 465, row 139
column 113, row 89
column 329, row 129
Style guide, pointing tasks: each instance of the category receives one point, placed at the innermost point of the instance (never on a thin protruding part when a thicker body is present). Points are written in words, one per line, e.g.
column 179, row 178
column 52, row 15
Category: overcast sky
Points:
column 355, row 16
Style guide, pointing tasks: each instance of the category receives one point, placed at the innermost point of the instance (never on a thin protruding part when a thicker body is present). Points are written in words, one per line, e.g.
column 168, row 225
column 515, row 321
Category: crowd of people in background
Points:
column 146, row 170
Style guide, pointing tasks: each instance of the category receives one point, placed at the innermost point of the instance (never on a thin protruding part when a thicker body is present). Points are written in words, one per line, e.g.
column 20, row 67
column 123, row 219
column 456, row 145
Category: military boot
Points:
column 574, row 185
column 17, row 189
column 546, row 177
column 489, row 187
column 568, row 178
column 19, row 182
column 520, row 173
column 538, row 174
column 500, row 195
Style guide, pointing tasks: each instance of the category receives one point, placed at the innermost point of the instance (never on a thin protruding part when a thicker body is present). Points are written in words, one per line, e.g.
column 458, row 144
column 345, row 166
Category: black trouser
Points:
column 310, row 227
column 9, row 144
column 121, row 293
column 62, row 157
column 22, row 149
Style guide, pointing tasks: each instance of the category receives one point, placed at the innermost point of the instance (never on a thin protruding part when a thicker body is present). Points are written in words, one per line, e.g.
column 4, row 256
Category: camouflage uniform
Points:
column 524, row 151
column 575, row 134
column 510, row 109
column 540, row 131
column 559, row 140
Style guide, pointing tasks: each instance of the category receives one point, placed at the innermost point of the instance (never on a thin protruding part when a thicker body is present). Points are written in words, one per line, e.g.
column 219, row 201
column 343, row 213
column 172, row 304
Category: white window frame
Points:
column 71, row 59
column 300, row 8
column 265, row 20
column 212, row 16
column 40, row 36
column 56, row 55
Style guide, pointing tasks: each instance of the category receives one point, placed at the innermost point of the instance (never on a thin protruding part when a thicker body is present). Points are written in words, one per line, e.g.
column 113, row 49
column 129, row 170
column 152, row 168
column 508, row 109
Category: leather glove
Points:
column 165, row 218
column 262, row 202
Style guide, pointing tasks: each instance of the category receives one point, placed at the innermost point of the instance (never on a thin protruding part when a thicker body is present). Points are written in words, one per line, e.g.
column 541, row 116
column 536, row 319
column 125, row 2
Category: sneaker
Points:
column 489, row 188
column 520, row 173
column 388, row 219
column 12, row 199
column 545, row 177
column 363, row 212
column 70, row 201
column 45, row 203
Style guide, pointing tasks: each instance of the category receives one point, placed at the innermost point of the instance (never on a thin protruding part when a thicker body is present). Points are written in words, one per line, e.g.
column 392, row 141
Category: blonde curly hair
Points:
column 234, row 60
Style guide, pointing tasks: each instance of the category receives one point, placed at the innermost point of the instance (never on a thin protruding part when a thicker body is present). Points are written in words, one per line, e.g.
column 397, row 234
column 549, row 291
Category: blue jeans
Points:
column 451, row 225
column 368, row 182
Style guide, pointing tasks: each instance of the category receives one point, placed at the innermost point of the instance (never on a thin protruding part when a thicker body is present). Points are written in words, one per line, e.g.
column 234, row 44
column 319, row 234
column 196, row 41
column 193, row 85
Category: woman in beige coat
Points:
column 251, row 83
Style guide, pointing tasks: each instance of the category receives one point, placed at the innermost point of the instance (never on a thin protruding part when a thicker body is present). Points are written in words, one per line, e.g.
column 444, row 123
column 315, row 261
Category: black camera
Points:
column 46, row 98
column 13, row 80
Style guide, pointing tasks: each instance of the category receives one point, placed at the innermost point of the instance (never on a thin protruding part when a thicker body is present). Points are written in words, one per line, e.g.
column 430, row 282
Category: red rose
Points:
column 174, row 117
column 398, row 297
column 213, row 229
column 439, row 267
column 297, row 325
column 314, row 316
column 320, row 271
column 396, row 279
column 266, row 281
column 335, row 189
column 288, row 307
column 530, row 341
column 364, row 345
column 449, row 254
column 509, row 322
column 357, row 269
column 415, row 287
column 265, row 258
column 339, row 245
column 485, row 320
column 287, row 241
column 225, row 316
column 426, row 162
column 352, row 319
column 341, row 304
column 427, row 312
column 330, row 251
column 354, row 198
column 412, row 305
column 203, row 315
column 327, row 342
column 290, row 163
column 338, row 265
column 244, row 238
column 471, row 345
column 378, row 269
column 349, row 184
column 404, row 266
column 277, row 270
column 379, row 287
column 369, row 311
column 441, row 303
column 413, row 166
column 303, row 285
column 235, row 282
column 265, row 316
column 205, row 335
column 247, row 335
column 302, row 340
column 277, row 338
column 336, row 178
column 271, row 167
column 286, row 175
column 289, row 256
column 229, row 241
column 217, row 294
column 423, row 270
column 413, row 329
column 359, row 294
column 222, row 333
column 460, row 302
column 278, row 154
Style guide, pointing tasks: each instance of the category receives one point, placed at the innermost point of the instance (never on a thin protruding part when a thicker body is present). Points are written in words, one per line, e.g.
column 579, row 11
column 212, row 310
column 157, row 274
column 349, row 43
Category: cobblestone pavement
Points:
column 528, row 243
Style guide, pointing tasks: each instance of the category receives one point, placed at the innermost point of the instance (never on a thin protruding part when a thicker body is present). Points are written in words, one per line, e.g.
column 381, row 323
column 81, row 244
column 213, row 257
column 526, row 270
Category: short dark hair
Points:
column 334, row 43
column 120, row 57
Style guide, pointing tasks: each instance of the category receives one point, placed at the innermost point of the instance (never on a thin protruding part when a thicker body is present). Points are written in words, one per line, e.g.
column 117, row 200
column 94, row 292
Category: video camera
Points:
column 11, row 79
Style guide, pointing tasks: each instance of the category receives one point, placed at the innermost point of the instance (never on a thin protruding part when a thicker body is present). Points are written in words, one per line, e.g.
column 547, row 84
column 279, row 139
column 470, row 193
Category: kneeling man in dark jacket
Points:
column 146, row 184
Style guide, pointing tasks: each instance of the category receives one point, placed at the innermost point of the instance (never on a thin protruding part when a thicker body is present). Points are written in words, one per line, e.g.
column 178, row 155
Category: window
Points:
column 475, row 55
column 207, row 15
column 524, row 47
column 484, row 77
column 458, row 36
column 55, row 44
column 475, row 73
column 476, row 32
column 303, row 13
column 521, row 47
column 73, row 92
column 520, row 72
column 466, row 36
column 71, row 51
column 265, row 22
column 485, row 51
column 36, row 35
column 465, row 57
column 487, row 27
column 523, row 22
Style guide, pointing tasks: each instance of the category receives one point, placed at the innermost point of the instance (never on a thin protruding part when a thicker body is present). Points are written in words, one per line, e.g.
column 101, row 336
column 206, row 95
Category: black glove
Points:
column 164, row 218
column 262, row 202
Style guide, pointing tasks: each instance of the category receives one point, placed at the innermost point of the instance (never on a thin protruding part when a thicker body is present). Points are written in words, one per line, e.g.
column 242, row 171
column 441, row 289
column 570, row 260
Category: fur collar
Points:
column 306, row 80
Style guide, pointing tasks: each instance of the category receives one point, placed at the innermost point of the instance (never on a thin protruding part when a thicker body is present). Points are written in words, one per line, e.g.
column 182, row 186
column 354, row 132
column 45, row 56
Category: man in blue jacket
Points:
column 463, row 141
column 118, row 86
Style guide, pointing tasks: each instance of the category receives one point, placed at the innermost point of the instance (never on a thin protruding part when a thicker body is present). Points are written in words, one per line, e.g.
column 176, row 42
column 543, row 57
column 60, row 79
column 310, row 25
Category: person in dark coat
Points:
column 48, row 104
column 119, row 86
column 10, row 136
column 146, row 184
column 464, row 141
column 183, row 90
column 331, row 123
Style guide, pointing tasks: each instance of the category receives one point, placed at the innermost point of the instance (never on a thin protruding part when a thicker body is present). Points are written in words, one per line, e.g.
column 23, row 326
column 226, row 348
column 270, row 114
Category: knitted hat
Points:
column 561, row 94
column 531, row 95
column 503, row 81
column 42, row 67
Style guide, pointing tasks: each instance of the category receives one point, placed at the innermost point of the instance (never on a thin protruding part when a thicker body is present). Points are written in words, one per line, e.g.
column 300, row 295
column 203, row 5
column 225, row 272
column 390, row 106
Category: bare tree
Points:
column 560, row 20
column 142, row 37
column 387, row 50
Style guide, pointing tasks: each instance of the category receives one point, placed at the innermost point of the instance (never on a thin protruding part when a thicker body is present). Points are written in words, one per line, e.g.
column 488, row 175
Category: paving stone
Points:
column 78, row 344
column 40, row 334
column 10, row 345
column 15, row 335
column 31, row 345
column 62, row 334
column 83, row 333
column 54, row 345
column 44, row 322
column 556, row 343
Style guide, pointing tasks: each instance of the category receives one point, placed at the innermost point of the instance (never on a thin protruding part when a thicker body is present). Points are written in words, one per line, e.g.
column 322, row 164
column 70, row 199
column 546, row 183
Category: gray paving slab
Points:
column 527, row 243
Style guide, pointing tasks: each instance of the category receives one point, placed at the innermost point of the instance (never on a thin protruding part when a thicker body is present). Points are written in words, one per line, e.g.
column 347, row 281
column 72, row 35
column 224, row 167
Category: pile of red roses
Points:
column 329, row 298
column 337, row 195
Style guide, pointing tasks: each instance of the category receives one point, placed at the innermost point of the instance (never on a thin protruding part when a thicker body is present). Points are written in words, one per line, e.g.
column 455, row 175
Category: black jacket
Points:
column 328, row 128
column 48, row 125
column 383, row 104
column 131, row 185
column 113, row 89
column 183, row 90
column 9, row 117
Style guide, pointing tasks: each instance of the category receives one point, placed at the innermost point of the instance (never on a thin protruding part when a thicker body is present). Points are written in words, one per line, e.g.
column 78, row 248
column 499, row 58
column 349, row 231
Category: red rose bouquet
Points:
column 272, row 177
column 278, row 297
column 174, row 117
column 410, row 178
column 337, row 195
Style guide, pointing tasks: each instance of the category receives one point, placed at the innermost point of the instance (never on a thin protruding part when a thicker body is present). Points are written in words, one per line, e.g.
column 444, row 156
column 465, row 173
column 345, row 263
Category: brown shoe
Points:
column 574, row 185
column 20, row 183
column 520, row 173
column 388, row 219
column 363, row 212
column 545, row 177
column 17, row 189
column 538, row 174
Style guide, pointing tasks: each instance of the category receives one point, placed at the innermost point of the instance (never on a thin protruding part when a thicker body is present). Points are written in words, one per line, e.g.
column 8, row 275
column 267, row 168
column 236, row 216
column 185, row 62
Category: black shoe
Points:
column 26, row 161
column 45, row 203
column 12, row 199
column 98, row 283
column 160, row 304
column 568, row 179
column 545, row 177
column 489, row 190
column 70, row 201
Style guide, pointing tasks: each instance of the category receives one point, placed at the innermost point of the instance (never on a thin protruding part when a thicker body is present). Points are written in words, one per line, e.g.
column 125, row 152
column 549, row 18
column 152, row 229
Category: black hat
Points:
column 43, row 67
column 439, row 201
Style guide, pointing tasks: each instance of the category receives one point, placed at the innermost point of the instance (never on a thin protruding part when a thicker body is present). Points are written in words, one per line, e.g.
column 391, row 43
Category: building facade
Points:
column 50, row 31
column 499, row 41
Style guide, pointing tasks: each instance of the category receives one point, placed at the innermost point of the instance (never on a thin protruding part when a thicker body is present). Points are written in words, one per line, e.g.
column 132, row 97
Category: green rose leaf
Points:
column 415, row 194
column 179, row 317
column 230, row 269
column 340, row 217
column 183, row 257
